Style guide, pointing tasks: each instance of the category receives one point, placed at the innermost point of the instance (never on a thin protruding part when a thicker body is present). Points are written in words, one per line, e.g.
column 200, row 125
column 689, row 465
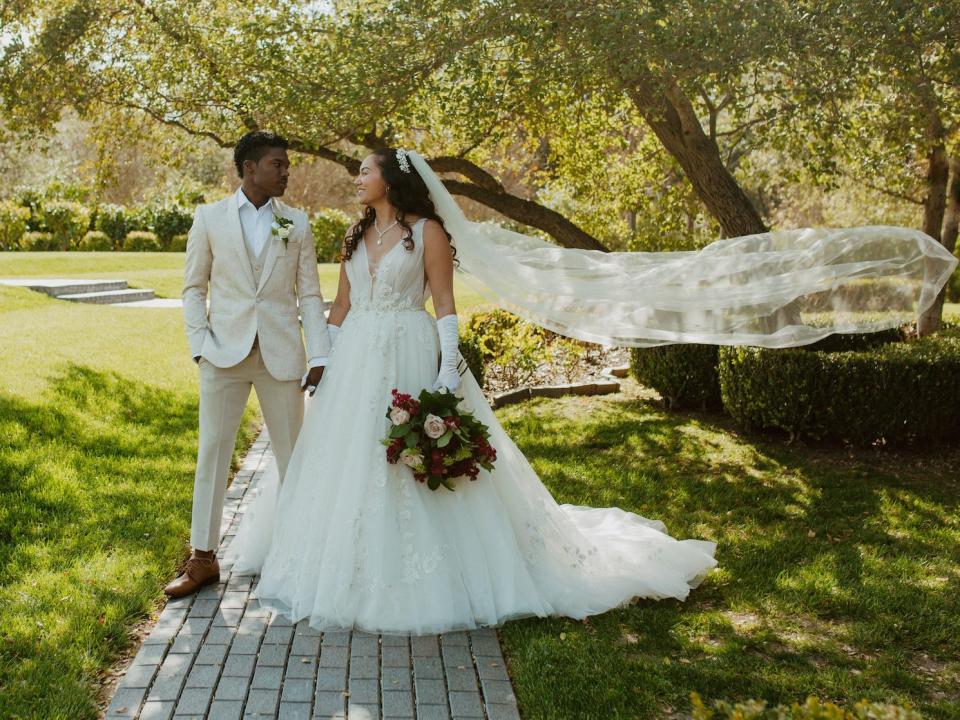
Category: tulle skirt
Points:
column 348, row 540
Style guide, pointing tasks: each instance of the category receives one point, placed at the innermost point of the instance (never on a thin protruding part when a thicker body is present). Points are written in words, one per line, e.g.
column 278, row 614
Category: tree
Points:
column 881, row 83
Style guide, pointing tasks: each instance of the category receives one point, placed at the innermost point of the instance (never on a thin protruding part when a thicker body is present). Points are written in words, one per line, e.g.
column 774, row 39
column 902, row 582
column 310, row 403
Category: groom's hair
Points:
column 254, row 145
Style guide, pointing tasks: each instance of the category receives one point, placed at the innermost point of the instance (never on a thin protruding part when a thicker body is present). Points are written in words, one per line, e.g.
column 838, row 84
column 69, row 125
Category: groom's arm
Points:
column 311, row 302
column 196, row 279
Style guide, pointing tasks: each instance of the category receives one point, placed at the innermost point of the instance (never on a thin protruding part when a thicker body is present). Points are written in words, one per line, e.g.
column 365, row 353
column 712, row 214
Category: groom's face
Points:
column 270, row 173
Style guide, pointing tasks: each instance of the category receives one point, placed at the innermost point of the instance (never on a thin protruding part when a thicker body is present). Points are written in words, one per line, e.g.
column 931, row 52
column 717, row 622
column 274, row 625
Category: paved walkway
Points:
column 219, row 655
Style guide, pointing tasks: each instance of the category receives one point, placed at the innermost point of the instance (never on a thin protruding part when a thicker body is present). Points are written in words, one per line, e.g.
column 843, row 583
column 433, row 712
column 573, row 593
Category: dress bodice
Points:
column 396, row 282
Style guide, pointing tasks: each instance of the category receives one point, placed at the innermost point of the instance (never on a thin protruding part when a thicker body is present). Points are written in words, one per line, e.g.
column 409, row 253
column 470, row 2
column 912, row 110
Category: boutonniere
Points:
column 282, row 227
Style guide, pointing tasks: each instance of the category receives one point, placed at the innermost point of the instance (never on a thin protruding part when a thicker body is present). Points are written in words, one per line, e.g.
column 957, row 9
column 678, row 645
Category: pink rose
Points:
column 434, row 426
column 398, row 416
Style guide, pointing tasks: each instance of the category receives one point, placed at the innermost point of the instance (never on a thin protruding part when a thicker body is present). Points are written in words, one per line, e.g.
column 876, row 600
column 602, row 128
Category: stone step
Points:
column 110, row 296
column 60, row 287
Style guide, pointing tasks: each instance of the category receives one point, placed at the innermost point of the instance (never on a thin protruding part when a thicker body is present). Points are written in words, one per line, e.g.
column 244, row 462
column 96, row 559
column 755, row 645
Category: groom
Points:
column 253, row 259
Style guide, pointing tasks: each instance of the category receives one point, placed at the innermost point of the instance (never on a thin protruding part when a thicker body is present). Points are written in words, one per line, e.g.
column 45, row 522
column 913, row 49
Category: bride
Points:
column 348, row 540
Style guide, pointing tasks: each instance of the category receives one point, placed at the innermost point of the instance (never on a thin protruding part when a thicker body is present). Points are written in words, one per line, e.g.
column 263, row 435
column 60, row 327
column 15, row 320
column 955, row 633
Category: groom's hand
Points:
column 312, row 379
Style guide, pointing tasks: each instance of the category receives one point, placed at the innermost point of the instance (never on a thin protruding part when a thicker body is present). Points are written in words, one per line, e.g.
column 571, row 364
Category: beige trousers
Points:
column 223, row 396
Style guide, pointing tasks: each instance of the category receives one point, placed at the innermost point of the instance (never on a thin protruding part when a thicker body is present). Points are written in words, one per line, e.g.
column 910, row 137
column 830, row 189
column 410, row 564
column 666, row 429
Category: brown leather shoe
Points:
column 199, row 571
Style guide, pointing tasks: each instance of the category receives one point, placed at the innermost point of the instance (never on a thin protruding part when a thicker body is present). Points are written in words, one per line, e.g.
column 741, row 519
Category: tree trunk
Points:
column 673, row 120
column 934, row 209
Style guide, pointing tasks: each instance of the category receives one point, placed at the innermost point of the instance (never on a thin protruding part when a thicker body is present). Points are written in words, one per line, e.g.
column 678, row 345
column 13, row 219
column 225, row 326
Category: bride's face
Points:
column 371, row 186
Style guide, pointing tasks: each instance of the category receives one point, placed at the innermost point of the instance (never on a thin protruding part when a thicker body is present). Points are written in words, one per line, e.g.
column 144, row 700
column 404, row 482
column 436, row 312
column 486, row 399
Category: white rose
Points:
column 398, row 416
column 434, row 426
column 284, row 233
column 411, row 458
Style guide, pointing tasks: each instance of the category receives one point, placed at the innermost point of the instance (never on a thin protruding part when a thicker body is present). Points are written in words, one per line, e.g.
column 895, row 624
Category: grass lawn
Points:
column 838, row 571
column 98, row 432
column 163, row 272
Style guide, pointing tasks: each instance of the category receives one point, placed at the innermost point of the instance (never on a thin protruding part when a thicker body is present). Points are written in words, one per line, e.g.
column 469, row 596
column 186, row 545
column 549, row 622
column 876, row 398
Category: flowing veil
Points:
column 775, row 289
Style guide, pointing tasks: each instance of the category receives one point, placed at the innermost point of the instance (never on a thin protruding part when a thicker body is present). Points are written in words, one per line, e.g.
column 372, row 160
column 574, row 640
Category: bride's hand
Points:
column 449, row 379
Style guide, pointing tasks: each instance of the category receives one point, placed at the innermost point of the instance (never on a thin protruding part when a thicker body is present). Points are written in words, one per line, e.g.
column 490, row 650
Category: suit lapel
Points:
column 235, row 233
column 275, row 249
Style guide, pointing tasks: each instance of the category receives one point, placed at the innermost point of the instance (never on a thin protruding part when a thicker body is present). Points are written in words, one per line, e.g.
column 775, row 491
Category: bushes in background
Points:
column 36, row 240
column 178, row 243
column 112, row 221
column 142, row 241
column 511, row 347
column 13, row 224
column 168, row 221
column 61, row 213
column 329, row 228
column 862, row 388
column 684, row 375
column 66, row 221
column 95, row 241
column 892, row 392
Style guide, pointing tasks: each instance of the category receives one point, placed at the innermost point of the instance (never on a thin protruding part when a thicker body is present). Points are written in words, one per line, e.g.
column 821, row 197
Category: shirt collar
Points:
column 242, row 200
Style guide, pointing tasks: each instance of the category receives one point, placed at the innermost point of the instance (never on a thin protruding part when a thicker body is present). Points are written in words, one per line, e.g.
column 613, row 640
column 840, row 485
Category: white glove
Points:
column 449, row 376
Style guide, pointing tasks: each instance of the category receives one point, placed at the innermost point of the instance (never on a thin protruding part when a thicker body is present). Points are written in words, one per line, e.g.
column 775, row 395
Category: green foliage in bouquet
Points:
column 436, row 440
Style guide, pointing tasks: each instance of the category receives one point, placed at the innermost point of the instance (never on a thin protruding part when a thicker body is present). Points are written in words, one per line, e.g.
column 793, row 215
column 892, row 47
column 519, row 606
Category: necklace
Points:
column 381, row 233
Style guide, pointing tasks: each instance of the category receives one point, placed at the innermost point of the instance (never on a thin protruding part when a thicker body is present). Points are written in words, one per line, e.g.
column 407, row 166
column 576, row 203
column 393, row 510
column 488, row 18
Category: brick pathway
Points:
column 218, row 655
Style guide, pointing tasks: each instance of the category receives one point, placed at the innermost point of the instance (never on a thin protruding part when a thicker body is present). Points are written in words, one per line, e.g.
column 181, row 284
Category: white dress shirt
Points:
column 257, row 226
column 256, row 221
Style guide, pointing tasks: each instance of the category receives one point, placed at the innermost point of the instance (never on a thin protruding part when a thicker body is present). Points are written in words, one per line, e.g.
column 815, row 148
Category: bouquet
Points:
column 436, row 440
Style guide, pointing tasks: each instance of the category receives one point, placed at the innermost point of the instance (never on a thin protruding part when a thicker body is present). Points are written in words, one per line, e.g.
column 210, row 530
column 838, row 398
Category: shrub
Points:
column 112, row 221
column 169, row 221
column 512, row 347
column 893, row 392
column 141, row 241
column 140, row 219
column 470, row 350
column 684, row 375
column 67, row 221
column 953, row 287
column 38, row 241
column 329, row 228
column 178, row 243
column 95, row 241
column 13, row 224
column 812, row 709
column 32, row 200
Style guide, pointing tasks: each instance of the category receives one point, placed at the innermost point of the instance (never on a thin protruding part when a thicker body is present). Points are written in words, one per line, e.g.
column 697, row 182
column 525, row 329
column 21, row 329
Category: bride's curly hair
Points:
column 407, row 192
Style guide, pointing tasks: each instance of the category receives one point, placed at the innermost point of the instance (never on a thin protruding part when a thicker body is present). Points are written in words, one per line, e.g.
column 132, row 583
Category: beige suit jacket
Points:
column 225, row 309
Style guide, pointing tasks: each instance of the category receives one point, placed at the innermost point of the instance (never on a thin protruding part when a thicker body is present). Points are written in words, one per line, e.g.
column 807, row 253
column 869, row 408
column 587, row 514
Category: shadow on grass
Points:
column 838, row 571
column 96, row 486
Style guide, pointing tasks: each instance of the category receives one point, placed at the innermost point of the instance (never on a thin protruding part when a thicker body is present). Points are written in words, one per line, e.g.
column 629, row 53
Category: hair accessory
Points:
column 402, row 160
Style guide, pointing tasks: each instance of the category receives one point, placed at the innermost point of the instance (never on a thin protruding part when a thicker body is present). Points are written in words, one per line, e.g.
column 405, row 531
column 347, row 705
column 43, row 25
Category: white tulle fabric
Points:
column 773, row 289
column 350, row 541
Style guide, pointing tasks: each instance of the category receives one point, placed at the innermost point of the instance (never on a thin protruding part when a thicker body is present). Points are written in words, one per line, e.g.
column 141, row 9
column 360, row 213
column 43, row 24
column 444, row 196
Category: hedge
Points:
column 36, row 240
column 112, row 221
column 178, row 243
column 13, row 224
column 95, row 241
column 142, row 241
column 67, row 221
column 892, row 392
column 684, row 375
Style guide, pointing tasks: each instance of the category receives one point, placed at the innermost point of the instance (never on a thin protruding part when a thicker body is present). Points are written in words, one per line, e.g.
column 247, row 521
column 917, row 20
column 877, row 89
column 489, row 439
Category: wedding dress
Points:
column 348, row 540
